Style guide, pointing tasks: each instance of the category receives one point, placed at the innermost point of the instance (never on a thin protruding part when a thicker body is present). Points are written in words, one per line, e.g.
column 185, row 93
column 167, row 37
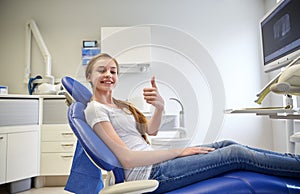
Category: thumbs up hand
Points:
column 152, row 96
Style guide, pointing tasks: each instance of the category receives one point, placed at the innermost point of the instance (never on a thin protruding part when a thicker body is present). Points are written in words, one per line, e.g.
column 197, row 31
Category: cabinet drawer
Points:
column 18, row 112
column 56, row 163
column 68, row 147
column 55, row 111
column 57, row 133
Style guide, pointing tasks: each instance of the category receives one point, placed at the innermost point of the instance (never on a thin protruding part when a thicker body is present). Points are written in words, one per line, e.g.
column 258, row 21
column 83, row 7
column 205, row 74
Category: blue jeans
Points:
column 228, row 156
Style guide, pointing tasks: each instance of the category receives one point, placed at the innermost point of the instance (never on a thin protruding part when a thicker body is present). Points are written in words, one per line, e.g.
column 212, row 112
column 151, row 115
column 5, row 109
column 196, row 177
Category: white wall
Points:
column 227, row 29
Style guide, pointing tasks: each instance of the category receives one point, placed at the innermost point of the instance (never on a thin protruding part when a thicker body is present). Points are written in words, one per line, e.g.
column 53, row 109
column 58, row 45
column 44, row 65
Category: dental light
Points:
column 45, row 84
column 286, row 82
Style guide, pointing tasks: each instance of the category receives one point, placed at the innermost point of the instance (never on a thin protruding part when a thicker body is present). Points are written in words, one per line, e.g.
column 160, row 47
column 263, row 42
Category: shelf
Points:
column 263, row 110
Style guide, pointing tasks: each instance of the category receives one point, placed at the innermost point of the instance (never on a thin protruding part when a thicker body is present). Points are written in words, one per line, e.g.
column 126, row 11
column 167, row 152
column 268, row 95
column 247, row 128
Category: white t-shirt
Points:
column 124, row 124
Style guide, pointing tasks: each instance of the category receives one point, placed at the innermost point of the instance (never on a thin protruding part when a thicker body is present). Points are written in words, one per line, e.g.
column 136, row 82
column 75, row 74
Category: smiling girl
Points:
column 124, row 129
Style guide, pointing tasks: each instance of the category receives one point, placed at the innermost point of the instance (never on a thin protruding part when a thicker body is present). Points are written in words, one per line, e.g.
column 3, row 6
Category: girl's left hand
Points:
column 195, row 150
column 152, row 96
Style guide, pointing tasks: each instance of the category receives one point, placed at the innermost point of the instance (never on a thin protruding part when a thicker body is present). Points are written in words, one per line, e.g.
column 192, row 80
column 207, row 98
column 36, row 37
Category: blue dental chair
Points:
column 91, row 154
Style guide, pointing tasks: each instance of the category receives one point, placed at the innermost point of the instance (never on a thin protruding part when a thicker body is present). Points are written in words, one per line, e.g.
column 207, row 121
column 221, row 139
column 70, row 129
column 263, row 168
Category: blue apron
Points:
column 85, row 177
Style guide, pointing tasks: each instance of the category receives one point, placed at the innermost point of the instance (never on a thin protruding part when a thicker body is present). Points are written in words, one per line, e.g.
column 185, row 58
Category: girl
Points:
column 124, row 130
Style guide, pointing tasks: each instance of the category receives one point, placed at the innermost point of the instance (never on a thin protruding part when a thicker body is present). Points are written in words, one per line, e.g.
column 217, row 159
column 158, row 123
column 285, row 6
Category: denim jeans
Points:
column 228, row 156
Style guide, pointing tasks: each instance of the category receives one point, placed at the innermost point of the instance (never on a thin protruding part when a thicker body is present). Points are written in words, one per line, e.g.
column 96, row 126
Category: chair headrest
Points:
column 77, row 90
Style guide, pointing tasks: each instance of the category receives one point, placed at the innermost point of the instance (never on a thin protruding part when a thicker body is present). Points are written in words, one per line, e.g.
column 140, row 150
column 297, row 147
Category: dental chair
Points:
column 92, row 154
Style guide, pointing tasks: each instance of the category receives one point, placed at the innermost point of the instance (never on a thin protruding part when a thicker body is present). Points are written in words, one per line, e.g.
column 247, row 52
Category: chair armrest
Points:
column 131, row 187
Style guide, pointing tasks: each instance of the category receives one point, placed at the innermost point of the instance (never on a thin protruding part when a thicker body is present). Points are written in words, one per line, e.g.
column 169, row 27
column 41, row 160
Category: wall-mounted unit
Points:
column 134, row 67
column 129, row 45
column 89, row 50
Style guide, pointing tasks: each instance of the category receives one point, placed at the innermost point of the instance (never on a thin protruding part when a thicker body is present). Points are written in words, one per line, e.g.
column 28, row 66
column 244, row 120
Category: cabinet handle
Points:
column 1, row 138
column 67, row 133
column 67, row 156
column 67, row 144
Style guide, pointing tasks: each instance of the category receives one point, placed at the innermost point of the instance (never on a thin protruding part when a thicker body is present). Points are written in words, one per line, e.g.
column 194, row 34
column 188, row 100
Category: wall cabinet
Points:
column 131, row 46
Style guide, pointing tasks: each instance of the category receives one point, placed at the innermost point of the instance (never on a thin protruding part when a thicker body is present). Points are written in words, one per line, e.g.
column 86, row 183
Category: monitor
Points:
column 280, row 35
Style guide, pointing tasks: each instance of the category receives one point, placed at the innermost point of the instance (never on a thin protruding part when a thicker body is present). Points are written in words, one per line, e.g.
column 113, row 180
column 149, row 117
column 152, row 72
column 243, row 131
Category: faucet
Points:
column 181, row 112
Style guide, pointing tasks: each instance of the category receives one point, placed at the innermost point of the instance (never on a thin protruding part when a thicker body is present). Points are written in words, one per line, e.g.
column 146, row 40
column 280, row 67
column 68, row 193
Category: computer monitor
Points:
column 280, row 35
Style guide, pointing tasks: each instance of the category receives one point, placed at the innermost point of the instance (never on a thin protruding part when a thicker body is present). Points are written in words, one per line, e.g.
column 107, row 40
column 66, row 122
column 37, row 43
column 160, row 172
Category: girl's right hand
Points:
column 195, row 150
column 152, row 96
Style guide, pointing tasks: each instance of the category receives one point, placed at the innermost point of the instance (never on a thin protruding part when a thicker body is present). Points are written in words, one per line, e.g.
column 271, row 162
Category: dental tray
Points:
column 263, row 110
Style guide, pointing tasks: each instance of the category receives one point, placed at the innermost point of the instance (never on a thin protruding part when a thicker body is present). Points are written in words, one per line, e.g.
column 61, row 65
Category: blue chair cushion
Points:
column 243, row 182
column 92, row 144
column 79, row 92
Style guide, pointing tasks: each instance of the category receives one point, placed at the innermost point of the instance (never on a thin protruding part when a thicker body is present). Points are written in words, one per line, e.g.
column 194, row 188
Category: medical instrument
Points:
column 286, row 82
column 280, row 44
column 280, row 35
column 46, row 82
column 289, row 81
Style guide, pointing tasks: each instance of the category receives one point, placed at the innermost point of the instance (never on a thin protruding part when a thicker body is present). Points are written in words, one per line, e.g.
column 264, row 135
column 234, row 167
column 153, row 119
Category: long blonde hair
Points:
column 140, row 119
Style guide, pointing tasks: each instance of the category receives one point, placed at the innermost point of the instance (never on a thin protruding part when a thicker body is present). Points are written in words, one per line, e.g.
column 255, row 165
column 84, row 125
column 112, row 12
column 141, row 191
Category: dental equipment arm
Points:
column 266, row 90
column 288, row 82
column 31, row 28
column 284, row 83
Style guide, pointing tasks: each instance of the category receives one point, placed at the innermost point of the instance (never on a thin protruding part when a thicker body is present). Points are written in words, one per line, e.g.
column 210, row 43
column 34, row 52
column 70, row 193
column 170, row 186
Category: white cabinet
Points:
column 57, row 142
column 57, row 149
column 19, row 138
column 57, row 139
column 35, row 137
column 19, row 148
column 22, row 155
column 3, row 139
